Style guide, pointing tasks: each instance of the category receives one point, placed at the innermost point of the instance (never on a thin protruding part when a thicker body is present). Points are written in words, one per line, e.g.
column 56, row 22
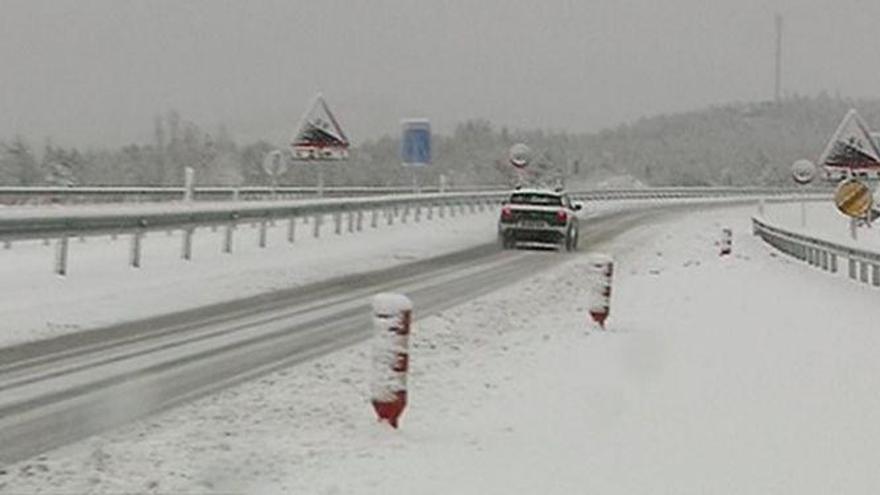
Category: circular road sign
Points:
column 853, row 198
column 520, row 155
column 803, row 171
column 274, row 163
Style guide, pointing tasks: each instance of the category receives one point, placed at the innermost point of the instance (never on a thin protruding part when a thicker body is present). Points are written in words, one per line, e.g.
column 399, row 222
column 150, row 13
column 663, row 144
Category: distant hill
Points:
column 746, row 143
column 735, row 144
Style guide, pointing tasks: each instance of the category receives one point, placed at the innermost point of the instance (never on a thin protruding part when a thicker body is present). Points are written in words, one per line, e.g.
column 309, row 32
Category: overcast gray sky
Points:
column 91, row 72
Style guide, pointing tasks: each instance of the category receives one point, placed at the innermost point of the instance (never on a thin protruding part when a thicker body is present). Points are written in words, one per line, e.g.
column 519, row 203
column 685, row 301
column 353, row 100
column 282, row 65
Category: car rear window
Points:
column 536, row 199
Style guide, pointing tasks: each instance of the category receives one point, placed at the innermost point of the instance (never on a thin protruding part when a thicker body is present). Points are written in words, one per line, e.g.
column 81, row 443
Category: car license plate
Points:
column 532, row 224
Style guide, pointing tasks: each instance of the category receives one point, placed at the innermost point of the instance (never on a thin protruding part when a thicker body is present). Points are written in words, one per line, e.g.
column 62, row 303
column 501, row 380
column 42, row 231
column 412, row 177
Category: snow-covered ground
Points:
column 823, row 221
column 101, row 289
column 744, row 374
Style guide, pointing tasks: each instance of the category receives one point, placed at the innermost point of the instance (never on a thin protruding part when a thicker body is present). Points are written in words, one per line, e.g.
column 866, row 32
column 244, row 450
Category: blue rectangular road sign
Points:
column 415, row 146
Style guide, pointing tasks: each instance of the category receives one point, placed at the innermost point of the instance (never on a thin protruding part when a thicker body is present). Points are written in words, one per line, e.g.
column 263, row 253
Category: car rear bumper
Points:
column 550, row 235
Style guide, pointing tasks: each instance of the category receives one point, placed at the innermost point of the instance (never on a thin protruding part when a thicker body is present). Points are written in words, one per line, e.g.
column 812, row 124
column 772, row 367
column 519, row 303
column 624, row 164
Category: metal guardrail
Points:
column 15, row 195
column 137, row 219
column 62, row 223
column 40, row 223
column 863, row 264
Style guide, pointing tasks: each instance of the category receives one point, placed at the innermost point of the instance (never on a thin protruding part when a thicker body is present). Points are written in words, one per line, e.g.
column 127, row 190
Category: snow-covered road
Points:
column 747, row 374
column 101, row 289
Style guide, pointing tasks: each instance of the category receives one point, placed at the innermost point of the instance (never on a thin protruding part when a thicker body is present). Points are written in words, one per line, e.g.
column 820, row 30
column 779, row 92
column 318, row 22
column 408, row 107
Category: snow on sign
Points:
column 852, row 151
column 415, row 144
column 319, row 136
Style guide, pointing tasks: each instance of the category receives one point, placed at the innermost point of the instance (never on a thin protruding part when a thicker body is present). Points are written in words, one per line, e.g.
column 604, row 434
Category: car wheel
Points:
column 505, row 241
column 571, row 240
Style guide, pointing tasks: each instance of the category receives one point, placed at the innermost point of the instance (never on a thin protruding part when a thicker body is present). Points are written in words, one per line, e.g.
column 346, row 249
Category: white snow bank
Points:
column 823, row 222
column 742, row 374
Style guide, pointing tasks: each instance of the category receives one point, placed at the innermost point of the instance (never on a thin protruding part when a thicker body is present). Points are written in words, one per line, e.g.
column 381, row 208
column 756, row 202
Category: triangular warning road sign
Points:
column 319, row 136
column 851, row 151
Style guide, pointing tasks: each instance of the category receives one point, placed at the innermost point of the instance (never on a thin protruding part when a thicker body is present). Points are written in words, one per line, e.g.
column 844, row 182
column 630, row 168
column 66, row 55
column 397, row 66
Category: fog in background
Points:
column 95, row 72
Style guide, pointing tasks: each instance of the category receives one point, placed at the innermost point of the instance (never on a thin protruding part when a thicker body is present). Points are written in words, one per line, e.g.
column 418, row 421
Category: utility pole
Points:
column 777, row 94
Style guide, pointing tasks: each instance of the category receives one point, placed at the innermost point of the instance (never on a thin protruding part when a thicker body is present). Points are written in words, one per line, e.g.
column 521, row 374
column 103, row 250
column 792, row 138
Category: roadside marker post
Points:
column 726, row 242
column 602, row 271
column 392, row 317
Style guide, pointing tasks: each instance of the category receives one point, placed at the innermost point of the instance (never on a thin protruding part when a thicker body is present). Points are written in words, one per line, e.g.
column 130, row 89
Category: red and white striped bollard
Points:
column 726, row 242
column 392, row 317
column 602, row 267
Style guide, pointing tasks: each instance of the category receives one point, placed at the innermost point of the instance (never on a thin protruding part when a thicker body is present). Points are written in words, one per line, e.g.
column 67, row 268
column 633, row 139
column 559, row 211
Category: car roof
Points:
column 532, row 190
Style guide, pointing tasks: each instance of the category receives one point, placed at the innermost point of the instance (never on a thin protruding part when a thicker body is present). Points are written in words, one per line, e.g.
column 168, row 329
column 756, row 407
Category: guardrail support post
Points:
column 316, row 232
column 186, row 251
column 360, row 220
column 189, row 175
column 875, row 275
column 291, row 229
column 227, row 238
column 833, row 260
column 389, row 216
column 134, row 258
column 863, row 271
column 61, row 256
column 337, row 223
column 263, row 228
column 405, row 215
column 417, row 217
column 350, row 221
column 852, row 268
column 430, row 211
column 825, row 260
column 374, row 221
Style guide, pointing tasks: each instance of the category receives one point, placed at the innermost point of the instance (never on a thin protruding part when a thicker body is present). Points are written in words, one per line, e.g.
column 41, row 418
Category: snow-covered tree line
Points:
column 736, row 144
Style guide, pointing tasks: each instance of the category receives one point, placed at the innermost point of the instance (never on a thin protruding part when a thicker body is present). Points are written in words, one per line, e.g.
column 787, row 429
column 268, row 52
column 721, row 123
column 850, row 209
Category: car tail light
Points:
column 506, row 214
column 561, row 216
